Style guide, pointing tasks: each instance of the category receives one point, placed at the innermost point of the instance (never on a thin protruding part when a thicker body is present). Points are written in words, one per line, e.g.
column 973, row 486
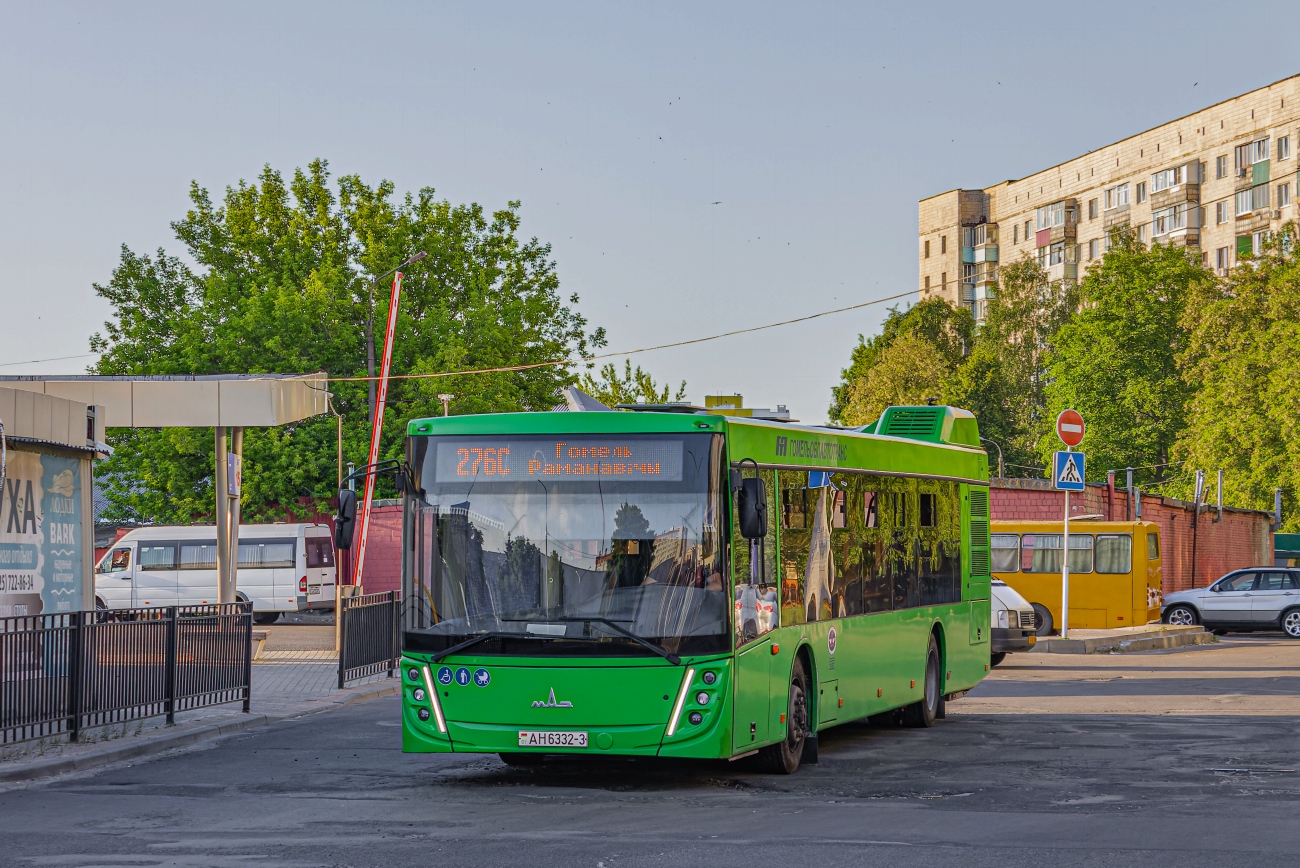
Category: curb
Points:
column 205, row 732
column 1152, row 640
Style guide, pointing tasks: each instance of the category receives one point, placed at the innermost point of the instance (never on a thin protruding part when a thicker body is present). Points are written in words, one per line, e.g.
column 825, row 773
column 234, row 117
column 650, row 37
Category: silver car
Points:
column 1260, row 598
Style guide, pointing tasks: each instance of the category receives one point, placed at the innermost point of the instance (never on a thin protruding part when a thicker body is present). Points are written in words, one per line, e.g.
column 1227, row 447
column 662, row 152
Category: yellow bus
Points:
column 1114, row 571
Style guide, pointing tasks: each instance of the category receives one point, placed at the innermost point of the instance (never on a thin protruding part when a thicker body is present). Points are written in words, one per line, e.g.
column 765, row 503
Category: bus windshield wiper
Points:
column 618, row 628
column 481, row 637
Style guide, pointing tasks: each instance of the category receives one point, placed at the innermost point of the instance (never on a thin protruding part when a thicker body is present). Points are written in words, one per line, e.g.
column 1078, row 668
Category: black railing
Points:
column 69, row 672
column 369, row 635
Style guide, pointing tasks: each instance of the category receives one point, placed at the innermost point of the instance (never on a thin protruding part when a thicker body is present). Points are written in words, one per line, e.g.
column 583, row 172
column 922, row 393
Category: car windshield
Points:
column 563, row 545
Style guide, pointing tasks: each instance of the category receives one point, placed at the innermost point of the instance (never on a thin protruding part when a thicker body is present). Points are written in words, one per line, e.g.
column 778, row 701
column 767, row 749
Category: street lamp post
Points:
column 370, row 328
column 999, row 448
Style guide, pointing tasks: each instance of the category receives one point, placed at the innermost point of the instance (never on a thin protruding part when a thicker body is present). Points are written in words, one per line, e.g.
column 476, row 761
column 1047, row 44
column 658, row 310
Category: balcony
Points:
column 1259, row 173
column 1063, row 271
column 987, row 253
column 1176, row 195
column 1114, row 217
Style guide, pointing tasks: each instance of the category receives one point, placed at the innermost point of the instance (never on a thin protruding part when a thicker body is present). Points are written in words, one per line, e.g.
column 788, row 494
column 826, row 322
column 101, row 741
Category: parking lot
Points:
column 1171, row 758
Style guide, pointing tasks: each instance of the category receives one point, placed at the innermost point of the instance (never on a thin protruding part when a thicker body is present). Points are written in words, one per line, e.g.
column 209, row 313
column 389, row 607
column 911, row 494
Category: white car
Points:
column 282, row 568
column 1260, row 598
column 1013, row 622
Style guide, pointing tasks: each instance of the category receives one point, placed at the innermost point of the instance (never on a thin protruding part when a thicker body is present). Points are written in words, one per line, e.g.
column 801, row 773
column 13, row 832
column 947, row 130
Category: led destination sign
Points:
column 579, row 459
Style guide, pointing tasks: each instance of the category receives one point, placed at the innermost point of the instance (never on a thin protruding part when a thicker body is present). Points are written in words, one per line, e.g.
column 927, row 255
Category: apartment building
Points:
column 1217, row 181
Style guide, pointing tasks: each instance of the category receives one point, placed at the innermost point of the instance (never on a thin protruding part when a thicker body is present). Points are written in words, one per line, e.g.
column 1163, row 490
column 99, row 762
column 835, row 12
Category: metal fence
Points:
column 369, row 635
column 65, row 673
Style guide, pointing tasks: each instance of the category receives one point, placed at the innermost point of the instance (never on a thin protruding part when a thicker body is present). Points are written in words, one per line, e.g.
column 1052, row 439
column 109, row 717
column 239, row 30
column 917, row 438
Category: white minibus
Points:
column 282, row 568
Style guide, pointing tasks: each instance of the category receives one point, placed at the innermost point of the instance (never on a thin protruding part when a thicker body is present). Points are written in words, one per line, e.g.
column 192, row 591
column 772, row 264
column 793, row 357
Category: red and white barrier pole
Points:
column 377, row 430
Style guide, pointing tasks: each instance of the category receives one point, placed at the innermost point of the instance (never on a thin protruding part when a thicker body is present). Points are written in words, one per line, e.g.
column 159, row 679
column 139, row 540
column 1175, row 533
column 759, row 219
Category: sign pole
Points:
column 378, row 429
column 1067, row 476
column 1065, row 572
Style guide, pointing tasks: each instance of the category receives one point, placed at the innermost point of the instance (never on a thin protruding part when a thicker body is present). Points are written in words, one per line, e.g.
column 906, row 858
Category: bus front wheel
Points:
column 1044, row 624
column 783, row 757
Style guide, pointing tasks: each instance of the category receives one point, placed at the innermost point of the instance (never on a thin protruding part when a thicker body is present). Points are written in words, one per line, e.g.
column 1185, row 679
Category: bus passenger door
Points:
column 751, row 708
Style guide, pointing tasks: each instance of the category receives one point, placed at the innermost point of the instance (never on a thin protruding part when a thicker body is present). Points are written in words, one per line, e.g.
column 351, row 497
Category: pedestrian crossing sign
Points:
column 1068, row 472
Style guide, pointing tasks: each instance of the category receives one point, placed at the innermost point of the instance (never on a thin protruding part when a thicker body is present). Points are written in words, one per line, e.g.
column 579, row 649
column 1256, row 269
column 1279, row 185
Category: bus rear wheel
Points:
column 924, row 711
column 783, row 757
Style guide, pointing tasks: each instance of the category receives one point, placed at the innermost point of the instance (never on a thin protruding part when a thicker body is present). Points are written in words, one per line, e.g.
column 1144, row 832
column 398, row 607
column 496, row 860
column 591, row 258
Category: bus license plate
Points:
column 550, row 738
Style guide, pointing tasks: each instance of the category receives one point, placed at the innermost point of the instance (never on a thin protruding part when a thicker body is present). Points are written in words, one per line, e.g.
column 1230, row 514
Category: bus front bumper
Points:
column 1003, row 639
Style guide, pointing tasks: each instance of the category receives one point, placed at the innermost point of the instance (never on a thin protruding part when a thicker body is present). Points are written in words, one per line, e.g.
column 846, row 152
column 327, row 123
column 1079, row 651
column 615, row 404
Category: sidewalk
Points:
column 297, row 674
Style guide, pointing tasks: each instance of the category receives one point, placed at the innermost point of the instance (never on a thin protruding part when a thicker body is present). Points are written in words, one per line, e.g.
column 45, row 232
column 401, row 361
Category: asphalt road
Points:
column 977, row 790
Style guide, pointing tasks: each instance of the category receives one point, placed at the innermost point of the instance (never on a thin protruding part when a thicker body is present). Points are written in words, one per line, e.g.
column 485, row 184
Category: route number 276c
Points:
column 489, row 461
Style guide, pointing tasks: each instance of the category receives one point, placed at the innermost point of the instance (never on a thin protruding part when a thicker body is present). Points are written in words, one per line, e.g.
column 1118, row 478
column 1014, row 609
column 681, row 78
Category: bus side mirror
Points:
column 346, row 519
column 752, row 508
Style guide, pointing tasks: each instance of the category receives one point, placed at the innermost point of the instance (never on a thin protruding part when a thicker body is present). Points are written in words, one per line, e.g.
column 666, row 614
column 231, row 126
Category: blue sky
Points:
column 697, row 167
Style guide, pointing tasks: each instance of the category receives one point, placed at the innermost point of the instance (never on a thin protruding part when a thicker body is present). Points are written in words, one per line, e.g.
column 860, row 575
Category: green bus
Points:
column 681, row 584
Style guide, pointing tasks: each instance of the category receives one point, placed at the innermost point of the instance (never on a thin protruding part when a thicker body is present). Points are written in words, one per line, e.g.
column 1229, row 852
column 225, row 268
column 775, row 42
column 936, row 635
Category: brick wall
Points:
column 1241, row 539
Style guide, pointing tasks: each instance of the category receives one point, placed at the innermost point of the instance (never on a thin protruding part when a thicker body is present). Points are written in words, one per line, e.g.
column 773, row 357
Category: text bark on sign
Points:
column 40, row 535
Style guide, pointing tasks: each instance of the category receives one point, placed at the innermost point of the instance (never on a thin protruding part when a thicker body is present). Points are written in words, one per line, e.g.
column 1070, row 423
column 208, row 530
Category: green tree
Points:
column 1241, row 362
column 280, row 283
column 908, row 371
column 1025, row 310
column 948, row 329
column 1116, row 360
column 632, row 387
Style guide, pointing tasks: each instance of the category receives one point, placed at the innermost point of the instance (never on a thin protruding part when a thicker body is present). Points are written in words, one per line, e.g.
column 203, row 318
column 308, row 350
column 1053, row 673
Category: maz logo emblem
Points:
column 551, row 703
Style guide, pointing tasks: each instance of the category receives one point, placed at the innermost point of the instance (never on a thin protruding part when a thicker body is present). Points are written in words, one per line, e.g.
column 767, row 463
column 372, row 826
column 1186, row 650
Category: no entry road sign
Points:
column 1069, row 427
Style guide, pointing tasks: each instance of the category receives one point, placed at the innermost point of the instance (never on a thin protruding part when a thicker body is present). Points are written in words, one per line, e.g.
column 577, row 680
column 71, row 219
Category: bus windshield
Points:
column 563, row 545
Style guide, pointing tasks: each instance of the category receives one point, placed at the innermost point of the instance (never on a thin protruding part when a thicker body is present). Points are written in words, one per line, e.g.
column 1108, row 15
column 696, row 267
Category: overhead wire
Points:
column 596, row 356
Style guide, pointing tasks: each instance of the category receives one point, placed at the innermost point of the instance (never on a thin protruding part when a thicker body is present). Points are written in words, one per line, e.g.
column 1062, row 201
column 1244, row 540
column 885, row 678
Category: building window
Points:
column 1284, row 147
column 1168, row 220
column 1221, row 166
column 943, row 281
column 1051, row 216
column 1092, row 209
column 927, row 248
column 1141, row 192
column 1223, row 258
column 1253, row 199
column 1142, row 233
column 1283, row 195
column 1257, row 241
column 1116, row 197
column 1249, row 154
column 1027, row 229
column 943, row 243
column 1220, row 212
column 1015, row 233
column 1092, row 249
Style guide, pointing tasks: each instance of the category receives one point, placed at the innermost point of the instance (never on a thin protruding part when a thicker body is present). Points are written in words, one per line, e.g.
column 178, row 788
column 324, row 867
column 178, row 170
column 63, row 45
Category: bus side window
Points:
column 1153, row 546
column 1114, row 553
column 870, row 513
column 794, row 506
column 1006, row 552
column 794, row 547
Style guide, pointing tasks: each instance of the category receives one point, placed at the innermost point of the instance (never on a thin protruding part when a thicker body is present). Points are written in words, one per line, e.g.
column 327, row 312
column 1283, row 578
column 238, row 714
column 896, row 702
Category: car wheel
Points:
column 1291, row 623
column 996, row 659
column 265, row 617
column 784, row 757
column 1181, row 616
column 1043, row 623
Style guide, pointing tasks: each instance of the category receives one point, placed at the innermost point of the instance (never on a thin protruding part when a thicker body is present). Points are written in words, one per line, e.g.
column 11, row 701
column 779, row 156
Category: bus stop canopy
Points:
column 229, row 403
column 218, row 400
